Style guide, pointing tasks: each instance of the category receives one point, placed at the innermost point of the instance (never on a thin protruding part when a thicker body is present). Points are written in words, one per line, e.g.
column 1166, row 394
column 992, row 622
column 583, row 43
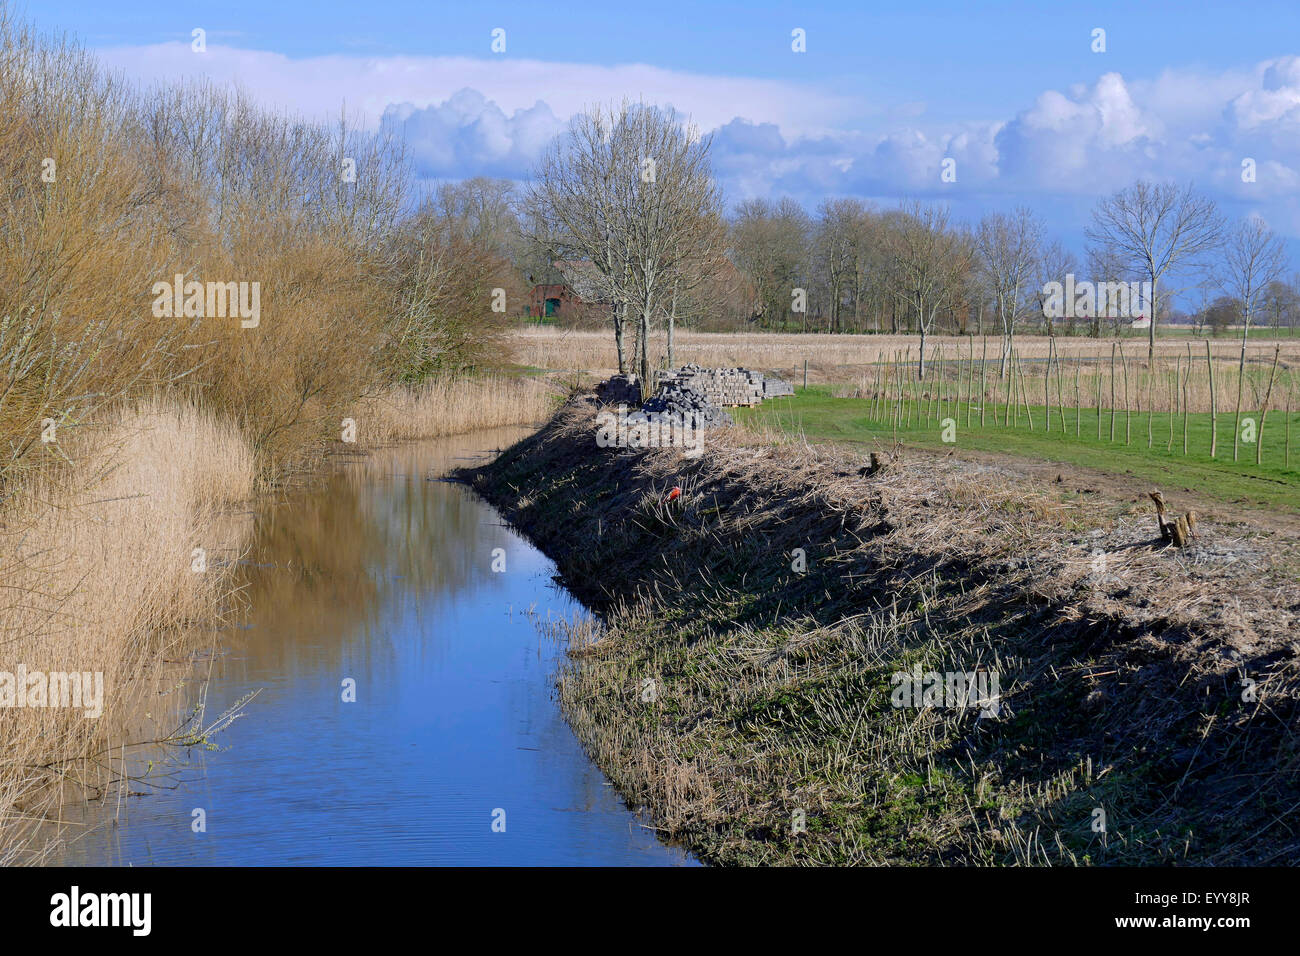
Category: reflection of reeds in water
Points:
column 97, row 563
column 332, row 565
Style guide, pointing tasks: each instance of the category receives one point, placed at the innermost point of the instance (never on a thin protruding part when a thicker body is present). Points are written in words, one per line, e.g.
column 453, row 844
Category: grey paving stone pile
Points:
column 706, row 392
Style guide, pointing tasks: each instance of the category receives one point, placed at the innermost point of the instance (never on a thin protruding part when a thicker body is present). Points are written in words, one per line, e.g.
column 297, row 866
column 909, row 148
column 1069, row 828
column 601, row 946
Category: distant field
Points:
column 833, row 358
column 820, row 416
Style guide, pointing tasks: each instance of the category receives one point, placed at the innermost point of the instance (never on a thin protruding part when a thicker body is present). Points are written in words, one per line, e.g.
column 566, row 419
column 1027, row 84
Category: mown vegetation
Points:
column 742, row 696
column 824, row 413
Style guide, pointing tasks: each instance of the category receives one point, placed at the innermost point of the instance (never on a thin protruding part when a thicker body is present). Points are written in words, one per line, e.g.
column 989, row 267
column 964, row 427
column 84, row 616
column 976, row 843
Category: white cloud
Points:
column 469, row 135
column 315, row 86
column 465, row 116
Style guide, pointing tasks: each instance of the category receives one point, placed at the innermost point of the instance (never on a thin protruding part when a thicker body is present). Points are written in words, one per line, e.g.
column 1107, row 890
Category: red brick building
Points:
column 556, row 300
column 571, row 299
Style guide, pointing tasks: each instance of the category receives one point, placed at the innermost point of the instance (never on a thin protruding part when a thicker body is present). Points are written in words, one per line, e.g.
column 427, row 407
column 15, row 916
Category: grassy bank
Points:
column 819, row 415
column 738, row 683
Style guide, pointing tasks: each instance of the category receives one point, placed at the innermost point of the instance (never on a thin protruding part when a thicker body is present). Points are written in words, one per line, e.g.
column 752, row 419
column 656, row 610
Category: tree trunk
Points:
column 672, row 321
column 647, row 385
column 1151, row 332
column 1008, row 343
column 619, row 317
column 1214, row 405
column 1241, row 375
column 920, row 370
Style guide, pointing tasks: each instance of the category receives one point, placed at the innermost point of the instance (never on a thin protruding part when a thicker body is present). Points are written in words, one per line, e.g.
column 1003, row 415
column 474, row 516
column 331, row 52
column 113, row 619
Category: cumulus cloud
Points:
column 1065, row 147
column 316, row 85
column 469, row 135
column 1078, row 142
column 491, row 116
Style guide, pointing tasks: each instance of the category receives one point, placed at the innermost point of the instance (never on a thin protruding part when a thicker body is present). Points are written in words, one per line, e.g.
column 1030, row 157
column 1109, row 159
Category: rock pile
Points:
column 702, row 392
column 694, row 393
column 727, row 386
column 620, row 390
column 681, row 399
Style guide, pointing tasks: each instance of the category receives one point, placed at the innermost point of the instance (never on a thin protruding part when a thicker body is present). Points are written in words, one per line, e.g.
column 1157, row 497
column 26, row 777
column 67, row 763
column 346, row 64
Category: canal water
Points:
column 454, row 750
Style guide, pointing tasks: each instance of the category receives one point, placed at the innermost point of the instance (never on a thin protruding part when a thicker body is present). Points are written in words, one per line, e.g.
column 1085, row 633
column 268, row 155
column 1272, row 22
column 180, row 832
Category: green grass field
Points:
column 822, row 418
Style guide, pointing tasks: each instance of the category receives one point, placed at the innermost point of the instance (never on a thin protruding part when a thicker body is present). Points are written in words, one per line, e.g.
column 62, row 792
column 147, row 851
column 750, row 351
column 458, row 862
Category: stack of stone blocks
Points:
column 727, row 386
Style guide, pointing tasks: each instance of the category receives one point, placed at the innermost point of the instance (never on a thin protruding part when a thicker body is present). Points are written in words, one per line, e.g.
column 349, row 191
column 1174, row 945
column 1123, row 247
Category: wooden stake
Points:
column 1047, row 377
column 1214, row 407
column 1113, row 347
column 1128, row 411
column 984, row 360
column 1268, row 393
column 1078, row 400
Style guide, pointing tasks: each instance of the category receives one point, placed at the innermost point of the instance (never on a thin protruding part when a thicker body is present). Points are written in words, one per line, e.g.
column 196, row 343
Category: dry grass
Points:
column 831, row 356
column 1121, row 661
column 96, row 561
column 452, row 406
column 108, row 191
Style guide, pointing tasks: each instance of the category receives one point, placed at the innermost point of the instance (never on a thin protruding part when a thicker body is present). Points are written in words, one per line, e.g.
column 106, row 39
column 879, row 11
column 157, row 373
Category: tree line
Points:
column 628, row 189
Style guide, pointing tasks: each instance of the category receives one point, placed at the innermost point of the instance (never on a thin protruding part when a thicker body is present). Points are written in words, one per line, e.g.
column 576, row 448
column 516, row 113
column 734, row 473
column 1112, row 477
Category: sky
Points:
column 1016, row 95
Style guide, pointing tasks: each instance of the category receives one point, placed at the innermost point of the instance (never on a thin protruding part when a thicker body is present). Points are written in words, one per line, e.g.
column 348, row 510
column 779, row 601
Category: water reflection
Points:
column 384, row 576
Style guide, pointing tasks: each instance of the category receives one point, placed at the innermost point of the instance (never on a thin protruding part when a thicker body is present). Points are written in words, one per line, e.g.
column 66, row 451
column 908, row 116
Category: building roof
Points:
column 583, row 278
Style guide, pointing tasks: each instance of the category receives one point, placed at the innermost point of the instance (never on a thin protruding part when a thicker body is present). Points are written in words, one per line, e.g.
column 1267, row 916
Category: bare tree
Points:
column 630, row 189
column 480, row 210
column 1008, row 255
column 1106, row 267
column 868, row 266
column 1281, row 303
column 703, row 272
column 929, row 259
column 666, row 216
column 1253, row 258
column 769, row 242
column 1055, row 262
column 1154, row 228
column 835, row 250
column 572, row 198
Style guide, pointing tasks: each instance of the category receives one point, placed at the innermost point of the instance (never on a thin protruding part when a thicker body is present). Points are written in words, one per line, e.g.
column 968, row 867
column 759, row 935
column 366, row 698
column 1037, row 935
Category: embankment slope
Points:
column 742, row 681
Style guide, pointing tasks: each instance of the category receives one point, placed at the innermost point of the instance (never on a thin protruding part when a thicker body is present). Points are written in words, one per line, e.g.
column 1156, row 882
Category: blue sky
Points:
column 1011, row 92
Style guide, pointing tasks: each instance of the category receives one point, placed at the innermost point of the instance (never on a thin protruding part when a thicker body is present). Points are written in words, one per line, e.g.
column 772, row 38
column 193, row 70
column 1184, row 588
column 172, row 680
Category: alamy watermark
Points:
column 1096, row 299
column 77, row 689
column 208, row 300
column 950, row 689
column 639, row 429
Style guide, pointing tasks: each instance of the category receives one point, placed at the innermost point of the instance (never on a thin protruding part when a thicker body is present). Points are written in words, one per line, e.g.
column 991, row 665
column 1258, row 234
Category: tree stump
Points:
column 1178, row 531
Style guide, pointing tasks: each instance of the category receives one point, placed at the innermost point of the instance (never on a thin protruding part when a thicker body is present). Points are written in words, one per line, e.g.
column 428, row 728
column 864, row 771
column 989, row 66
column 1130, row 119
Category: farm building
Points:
column 572, row 298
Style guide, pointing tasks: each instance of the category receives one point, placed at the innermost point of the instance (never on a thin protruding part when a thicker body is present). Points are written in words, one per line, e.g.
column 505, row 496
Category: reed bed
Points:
column 454, row 405
column 98, row 562
column 829, row 356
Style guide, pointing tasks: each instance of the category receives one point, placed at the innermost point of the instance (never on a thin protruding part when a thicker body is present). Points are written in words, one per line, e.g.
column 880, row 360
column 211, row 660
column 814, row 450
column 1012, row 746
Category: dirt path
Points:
column 1128, row 488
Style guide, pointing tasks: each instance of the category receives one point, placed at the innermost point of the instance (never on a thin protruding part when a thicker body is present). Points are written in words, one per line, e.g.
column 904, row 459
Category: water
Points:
column 385, row 577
